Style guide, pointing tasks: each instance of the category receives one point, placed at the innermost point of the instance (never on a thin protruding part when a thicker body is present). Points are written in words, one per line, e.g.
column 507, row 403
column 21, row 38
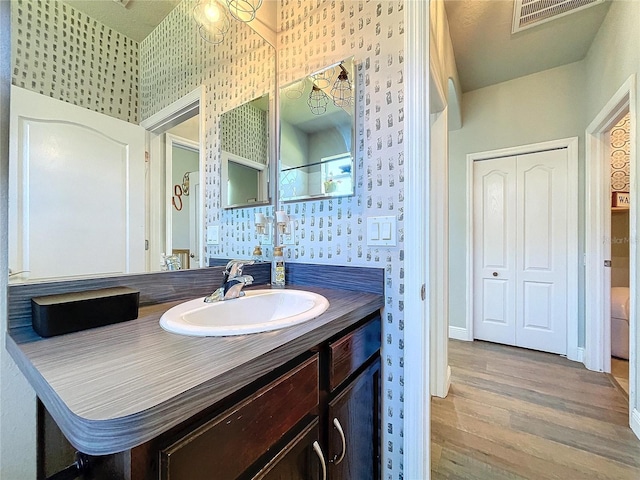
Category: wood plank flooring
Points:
column 620, row 373
column 519, row 414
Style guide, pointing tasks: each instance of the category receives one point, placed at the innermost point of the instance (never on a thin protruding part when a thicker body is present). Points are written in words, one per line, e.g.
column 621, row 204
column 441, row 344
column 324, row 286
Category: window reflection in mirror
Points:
column 316, row 134
column 245, row 154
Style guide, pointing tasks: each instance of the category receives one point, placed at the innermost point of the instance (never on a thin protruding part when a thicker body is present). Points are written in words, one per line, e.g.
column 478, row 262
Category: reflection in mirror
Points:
column 183, row 173
column 244, row 141
column 117, row 75
column 316, row 135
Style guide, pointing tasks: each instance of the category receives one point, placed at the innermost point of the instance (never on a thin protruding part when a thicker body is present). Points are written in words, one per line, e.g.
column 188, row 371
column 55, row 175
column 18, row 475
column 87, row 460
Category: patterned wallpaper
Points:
column 620, row 155
column 174, row 60
column 316, row 34
column 61, row 52
column 245, row 132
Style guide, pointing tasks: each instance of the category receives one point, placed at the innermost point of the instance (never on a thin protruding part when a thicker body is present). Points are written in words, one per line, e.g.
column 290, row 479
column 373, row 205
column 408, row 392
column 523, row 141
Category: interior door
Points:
column 494, row 226
column 541, row 316
column 521, row 250
column 76, row 191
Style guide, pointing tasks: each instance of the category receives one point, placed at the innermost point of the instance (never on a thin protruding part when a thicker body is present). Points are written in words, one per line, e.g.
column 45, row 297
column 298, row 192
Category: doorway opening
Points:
column 183, row 187
column 608, row 223
column 178, row 128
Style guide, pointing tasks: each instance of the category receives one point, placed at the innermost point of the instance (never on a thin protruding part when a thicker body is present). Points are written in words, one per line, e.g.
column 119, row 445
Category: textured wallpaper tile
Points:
column 61, row 52
column 620, row 142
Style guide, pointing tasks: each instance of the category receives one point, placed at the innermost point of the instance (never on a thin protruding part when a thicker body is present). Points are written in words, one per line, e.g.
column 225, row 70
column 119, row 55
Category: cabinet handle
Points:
column 339, row 458
column 318, row 450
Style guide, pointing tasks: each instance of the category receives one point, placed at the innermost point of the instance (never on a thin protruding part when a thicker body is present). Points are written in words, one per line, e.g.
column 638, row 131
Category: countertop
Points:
column 115, row 387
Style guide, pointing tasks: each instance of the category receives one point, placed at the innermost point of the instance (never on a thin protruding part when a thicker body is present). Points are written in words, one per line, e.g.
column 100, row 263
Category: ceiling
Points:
column 487, row 53
column 140, row 17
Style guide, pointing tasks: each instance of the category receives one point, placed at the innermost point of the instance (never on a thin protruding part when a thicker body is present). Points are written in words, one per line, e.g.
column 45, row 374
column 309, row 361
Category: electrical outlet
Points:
column 266, row 238
column 289, row 236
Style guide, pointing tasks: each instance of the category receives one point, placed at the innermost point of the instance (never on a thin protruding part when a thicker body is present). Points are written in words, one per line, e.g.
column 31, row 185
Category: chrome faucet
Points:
column 233, row 282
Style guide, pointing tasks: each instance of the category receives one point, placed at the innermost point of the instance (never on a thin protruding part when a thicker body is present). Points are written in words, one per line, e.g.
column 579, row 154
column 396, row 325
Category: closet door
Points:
column 520, row 250
column 494, row 267
column 541, row 315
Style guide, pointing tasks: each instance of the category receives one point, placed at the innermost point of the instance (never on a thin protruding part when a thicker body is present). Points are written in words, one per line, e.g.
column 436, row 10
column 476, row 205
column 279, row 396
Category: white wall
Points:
column 539, row 107
column 17, row 399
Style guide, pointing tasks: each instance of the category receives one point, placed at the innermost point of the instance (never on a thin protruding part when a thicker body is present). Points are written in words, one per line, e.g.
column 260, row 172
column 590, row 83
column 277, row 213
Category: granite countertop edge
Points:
column 98, row 427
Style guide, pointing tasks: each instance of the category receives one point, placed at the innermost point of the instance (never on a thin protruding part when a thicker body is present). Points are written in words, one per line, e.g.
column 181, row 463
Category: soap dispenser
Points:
column 277, row 269
column 257, row 254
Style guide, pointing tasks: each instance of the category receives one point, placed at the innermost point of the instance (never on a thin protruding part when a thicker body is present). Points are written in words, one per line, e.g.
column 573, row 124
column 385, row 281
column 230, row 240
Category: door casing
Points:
column 597, row 353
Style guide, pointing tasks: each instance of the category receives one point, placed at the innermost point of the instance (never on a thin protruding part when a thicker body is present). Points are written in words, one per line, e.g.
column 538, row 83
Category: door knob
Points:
column 495, row 274
column 192, row 255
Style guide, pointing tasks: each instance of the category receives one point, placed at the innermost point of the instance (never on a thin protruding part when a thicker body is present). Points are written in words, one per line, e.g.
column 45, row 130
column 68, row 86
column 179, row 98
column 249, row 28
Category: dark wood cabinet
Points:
column 315, row 418
column 302, row 458
column 354, row 432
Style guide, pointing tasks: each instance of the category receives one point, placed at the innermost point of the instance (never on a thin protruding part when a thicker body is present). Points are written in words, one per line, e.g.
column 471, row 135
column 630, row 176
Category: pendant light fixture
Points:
column 212, row 20
column 341, row 90
column 318, row 101
column 244, row 10
column 323, row 79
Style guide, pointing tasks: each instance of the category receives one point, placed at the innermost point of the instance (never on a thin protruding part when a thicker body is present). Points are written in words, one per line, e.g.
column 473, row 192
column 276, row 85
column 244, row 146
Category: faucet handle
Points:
column 234, row 267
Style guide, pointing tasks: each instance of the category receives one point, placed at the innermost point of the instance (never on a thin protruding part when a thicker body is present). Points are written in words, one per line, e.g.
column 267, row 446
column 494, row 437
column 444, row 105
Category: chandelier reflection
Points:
column 213, row 21
column 341, row 92
column 317, row 101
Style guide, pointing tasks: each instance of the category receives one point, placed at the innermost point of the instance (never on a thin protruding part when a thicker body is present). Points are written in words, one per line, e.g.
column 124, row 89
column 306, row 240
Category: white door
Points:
column 520, row 250
column 76, row 191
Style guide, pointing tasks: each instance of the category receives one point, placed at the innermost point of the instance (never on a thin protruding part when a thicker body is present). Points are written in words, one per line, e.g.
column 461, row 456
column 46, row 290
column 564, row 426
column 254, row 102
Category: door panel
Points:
column 494, row 261
column 76, row 191
column 541, row 317
column 520, row 250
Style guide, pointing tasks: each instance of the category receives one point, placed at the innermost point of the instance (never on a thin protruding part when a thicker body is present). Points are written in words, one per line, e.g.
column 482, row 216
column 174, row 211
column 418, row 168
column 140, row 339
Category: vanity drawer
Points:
column 227, row 445
column 349, row 352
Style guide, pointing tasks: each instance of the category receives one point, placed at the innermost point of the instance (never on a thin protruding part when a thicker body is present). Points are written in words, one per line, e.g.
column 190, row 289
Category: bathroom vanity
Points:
column 143, row 403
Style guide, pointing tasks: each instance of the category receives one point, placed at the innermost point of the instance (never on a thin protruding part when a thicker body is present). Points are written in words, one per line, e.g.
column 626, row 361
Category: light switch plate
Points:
column 213, row 235
column 381, row 231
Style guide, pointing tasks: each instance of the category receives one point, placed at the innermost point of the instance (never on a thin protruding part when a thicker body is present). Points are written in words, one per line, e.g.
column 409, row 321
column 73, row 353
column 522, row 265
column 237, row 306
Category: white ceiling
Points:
column 487, row 53
column 135, row 21
column 140, row 17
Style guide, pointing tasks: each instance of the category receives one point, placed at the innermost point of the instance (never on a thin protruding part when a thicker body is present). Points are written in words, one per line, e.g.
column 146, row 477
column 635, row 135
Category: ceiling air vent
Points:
column 529, row 13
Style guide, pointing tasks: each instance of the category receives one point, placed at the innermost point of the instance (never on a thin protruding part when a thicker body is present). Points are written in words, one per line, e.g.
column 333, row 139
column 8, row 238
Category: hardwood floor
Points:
column 519, row 414
column 620, row 372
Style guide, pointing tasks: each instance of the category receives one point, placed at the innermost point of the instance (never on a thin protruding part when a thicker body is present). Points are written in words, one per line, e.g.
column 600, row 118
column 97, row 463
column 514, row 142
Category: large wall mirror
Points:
column 162, row 196
column 317, row 129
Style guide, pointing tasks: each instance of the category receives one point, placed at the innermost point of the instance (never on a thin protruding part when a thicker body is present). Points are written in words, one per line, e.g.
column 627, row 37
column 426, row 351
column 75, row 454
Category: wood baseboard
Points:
column 459, row 333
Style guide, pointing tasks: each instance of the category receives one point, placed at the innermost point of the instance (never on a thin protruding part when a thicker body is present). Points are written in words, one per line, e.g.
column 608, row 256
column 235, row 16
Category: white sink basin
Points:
column 257, row 311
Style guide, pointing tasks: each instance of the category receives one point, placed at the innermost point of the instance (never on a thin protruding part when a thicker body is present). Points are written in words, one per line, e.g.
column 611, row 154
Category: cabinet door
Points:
column 298, row 460
column 226, row 446
column 354, row 428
